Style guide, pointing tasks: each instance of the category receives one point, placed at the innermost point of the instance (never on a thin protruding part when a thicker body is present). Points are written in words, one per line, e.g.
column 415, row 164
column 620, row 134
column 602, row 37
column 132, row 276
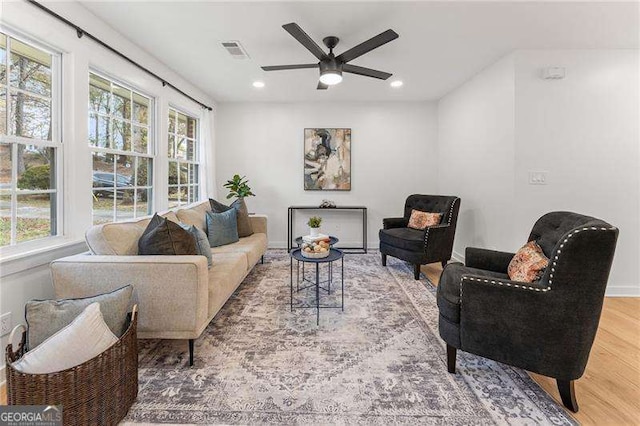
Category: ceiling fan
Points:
column 331, row 67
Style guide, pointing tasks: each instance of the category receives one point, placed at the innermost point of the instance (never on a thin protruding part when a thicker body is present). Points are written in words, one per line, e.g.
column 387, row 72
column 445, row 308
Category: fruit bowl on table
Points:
column 315, row 250
column 315, row 255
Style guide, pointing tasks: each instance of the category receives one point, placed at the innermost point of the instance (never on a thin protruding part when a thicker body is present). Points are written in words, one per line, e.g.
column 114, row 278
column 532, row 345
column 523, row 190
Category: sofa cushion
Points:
column 195, row 215
column 227, row 272
column 245, row 227
column 449, row 288
column 202, row 242
column 119, row 238
column 85, row 338
column 244, row 223
column 253, row 247
column 403, row 238
column 222, row 228
column 46, row 317
column 164, row 237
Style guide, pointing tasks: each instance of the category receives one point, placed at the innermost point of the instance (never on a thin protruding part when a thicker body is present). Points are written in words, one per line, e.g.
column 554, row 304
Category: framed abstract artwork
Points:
column 327, row 159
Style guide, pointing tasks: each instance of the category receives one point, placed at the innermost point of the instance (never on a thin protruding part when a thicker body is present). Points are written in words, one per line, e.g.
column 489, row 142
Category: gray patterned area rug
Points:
column 379, row 362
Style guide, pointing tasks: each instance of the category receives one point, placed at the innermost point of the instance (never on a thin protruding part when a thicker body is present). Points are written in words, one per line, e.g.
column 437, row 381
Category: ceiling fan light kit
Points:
column 330, row 66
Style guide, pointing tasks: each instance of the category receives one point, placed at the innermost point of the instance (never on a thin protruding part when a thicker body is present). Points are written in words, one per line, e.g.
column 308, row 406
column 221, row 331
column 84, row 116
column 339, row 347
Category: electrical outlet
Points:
column 537, row 178
column 5, row 324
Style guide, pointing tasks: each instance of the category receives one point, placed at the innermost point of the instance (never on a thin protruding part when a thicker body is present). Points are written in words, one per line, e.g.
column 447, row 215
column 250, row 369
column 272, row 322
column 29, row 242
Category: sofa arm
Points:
column 488, row 260
column 258, row 223
column 394, row 222
column 172, row 291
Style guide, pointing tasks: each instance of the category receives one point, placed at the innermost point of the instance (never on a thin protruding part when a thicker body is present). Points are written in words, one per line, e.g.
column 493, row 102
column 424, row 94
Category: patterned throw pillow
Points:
column 422, row 220
column 528, row 264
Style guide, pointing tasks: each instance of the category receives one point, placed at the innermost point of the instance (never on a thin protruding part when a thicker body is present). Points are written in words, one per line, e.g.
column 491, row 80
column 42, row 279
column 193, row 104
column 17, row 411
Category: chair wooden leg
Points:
column 568, row 394
column 416, row 272
column 190, row 352
column 451, row 359
column 384, row 259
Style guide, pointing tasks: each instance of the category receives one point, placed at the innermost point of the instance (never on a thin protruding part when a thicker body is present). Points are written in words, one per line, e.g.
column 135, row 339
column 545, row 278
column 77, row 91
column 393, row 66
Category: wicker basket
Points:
column 99, row 391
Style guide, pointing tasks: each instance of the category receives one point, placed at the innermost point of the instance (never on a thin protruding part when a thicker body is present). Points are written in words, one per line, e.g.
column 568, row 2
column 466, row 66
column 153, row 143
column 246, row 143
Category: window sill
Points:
column 14, row 261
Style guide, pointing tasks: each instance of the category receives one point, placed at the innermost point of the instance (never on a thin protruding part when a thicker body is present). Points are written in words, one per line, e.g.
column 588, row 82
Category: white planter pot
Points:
column 314, row 232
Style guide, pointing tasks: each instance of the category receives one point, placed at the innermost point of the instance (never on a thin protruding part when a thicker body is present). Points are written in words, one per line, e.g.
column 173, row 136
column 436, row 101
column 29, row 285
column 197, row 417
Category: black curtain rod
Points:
column 80, row 33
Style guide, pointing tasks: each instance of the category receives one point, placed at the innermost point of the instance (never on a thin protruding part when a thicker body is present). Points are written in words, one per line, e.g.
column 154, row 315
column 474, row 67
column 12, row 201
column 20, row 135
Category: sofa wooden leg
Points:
column 190, row 352
column 262, row 259
column 568, row 394
column 416, row 272
column 384, row 259
column 451, row 359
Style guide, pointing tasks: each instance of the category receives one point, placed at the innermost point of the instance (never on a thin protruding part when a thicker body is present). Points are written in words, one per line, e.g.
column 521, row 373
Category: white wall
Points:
column 582, row 130
column 24, row 272
column 393, row 154
column 476, row 157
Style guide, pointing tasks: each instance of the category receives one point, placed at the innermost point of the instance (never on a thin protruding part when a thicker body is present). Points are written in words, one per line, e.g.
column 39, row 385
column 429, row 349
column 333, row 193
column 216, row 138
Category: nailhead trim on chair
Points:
column 426, row 235
column 553, row 266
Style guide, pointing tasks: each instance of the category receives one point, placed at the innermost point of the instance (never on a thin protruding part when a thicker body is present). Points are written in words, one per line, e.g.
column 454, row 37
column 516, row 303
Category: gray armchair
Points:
column 420, row 247
column 546, row 327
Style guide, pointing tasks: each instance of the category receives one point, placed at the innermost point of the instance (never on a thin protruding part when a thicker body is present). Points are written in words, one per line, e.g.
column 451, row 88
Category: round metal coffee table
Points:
column 334, row 255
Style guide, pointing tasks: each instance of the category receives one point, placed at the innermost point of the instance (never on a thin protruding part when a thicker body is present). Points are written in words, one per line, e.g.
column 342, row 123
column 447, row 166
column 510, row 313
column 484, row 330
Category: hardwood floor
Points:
column 609, row 391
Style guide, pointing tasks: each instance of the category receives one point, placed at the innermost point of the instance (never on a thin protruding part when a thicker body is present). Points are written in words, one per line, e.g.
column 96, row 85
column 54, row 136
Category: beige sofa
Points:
column 177, row 295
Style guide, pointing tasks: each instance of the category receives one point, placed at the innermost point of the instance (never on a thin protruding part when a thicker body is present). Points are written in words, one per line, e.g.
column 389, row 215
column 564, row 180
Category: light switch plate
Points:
column 5, row 324
column 537, row 178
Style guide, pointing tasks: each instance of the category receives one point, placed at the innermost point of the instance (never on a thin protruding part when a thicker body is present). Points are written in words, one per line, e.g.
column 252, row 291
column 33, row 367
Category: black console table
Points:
column 290, row 236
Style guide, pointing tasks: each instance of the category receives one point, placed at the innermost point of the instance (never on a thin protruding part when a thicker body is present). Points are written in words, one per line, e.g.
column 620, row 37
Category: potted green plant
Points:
column 238, row 187
column 314, row 225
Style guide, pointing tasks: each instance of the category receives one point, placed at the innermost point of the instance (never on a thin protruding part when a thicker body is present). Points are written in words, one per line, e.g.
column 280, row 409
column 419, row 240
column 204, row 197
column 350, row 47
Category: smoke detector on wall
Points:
column 235, row 49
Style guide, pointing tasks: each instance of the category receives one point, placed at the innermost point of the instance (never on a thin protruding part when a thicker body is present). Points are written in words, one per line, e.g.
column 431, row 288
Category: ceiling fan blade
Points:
column 288, row 67
column 367, row 72
column 322, row 86
column 304, row 39
column 367, row 46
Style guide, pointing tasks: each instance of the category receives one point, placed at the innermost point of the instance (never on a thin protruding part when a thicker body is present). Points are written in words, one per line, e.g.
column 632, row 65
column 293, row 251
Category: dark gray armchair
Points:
column 434, row 244
column 547, row 326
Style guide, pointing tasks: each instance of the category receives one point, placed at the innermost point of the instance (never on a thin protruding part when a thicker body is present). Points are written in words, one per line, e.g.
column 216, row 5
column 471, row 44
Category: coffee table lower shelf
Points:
column 334, row 255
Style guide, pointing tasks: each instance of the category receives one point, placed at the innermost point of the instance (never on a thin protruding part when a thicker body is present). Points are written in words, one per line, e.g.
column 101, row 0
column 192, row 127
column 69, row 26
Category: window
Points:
column 184, row 178
column 119, row 137
column 29, row 141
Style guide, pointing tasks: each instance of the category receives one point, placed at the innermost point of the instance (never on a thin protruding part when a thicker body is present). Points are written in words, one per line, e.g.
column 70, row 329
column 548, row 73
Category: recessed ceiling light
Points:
column 396, row 83
column 258, row 84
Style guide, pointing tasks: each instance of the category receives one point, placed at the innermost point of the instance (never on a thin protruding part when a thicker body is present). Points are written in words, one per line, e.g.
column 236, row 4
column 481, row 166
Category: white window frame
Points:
column 57, row 222
column 197, row 161
column 151, row 144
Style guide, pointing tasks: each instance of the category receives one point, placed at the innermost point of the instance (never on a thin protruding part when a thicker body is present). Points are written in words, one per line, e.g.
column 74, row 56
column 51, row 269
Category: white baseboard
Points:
column 457, row 257
column 623, row 291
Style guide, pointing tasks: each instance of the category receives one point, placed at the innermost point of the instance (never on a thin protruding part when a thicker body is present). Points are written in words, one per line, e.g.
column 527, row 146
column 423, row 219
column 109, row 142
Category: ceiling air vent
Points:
column 235, row 49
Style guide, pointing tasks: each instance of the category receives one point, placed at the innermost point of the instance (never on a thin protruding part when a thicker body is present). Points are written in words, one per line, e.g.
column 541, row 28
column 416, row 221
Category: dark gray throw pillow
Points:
column 164, row 237
column 244, row 223
column 46, row 317
column 222, row 228
column 202, row 242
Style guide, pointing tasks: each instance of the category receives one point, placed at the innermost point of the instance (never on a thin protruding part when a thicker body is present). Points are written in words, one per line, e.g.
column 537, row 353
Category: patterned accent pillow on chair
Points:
column 422, row 220
column 528, row 264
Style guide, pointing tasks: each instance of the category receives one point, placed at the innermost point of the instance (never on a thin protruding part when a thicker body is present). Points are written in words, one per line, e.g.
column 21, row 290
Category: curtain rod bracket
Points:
column 79, row 32
column 164, row 83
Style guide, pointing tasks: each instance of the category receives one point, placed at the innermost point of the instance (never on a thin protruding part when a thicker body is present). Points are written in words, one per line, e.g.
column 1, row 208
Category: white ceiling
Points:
column 441, row 44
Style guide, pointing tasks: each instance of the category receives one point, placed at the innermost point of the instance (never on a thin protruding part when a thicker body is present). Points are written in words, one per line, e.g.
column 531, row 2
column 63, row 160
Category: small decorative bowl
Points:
column 315, row 255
